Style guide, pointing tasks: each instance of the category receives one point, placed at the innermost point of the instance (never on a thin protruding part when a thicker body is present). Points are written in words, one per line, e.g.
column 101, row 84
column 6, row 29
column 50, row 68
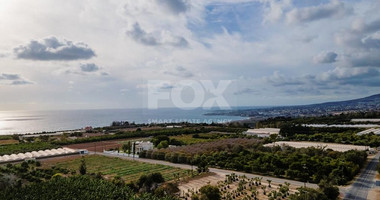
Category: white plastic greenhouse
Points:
column 37, row 154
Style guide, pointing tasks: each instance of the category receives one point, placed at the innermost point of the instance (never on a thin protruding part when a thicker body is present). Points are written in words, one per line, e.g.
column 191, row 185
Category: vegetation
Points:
column 76, row 187
column 184, row 154
column 336, row 135
column 25, row 147
column 26, row 172
column 305, row 164
column 112, row 167
column 207, row 192
column 345, row 118
column 82, row 167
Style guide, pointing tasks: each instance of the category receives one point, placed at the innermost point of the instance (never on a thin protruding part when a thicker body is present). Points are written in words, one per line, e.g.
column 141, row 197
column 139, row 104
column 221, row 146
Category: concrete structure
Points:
column 262, row 132
column 36, row 154
column 143, row 146
column 375, row 131
column 333, row 146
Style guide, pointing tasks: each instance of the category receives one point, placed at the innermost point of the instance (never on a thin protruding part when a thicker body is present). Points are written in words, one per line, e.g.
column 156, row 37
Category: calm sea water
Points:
column 18, row 122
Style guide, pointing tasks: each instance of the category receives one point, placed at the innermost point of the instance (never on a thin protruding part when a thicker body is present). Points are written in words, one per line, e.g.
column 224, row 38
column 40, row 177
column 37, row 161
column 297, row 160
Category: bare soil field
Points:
column 231, row 190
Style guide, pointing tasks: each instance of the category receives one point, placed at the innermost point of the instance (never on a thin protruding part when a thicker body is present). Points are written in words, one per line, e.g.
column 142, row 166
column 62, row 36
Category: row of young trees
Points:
column 149, row 133
column 75, row 187
column 306, row 164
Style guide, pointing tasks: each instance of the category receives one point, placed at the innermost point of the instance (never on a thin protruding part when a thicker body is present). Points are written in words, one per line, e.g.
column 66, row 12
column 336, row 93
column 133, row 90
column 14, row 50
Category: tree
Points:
column 163, row 144
column 82, row 167
column 209, row 192
column 127, row 147
column 117, row 180
column 149, row 183
column 269, row 181
column 331, row 191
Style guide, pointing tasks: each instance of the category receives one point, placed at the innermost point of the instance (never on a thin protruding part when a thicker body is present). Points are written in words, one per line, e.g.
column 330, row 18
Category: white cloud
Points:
column 325, row 57
column 335, row 8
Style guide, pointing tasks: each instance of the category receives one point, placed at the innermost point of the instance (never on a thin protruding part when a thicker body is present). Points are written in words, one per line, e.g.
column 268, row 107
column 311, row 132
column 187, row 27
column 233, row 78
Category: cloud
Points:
column 274, row 10
column 89, row 67
column 361, row 59
column 361, row 43
column 9, row 77
column 360, row 26
column 20, row 82
column 175, row 6
column 351, row 76
column 303, row 15
column 180, row 72
column 13, row 79
column 246, row 91
column 330, row 80
column 157, row 38
column 54, row 49
column 278, row 79
column 325, row 57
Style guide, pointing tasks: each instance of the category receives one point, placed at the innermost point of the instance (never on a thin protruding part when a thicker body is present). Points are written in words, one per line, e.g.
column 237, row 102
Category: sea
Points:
column 24, row 122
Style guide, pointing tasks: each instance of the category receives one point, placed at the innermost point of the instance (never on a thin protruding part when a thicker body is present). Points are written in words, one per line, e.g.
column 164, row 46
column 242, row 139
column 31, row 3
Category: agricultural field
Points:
column 11, row 141
column 238, row 187
column 25, row 147
column 189, row 139
column 206, row 147
column 111, row 167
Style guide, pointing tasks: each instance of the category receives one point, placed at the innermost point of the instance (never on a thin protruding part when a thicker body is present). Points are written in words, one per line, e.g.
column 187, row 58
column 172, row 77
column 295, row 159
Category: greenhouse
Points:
column 37, row 154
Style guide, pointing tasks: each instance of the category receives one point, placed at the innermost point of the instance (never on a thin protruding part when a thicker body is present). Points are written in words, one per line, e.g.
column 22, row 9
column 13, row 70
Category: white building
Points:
column 143, row 146
column 375, row 131
column 262, row 132
column 365, row 120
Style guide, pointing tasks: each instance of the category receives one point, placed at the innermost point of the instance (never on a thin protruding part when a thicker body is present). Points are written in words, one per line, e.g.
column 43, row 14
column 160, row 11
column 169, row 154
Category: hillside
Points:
column 369, row 103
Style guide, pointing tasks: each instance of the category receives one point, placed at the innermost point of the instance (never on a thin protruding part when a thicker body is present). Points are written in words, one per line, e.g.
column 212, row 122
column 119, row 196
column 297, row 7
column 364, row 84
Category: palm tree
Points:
column 269, row 181
column 263, row 187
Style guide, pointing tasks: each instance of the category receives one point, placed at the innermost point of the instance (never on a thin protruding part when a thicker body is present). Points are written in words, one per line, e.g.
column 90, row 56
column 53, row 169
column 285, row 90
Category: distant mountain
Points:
column 373, row 100
column 370, row 103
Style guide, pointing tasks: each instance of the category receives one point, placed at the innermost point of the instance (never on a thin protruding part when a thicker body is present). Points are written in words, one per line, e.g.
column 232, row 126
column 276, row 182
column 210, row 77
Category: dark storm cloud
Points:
column 54, row 49
column 175, row 6
column 150, row 39
column 89, row 67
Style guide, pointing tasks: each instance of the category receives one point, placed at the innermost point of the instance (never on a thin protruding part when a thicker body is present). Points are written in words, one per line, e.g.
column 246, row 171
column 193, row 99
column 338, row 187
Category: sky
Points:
column 85, row 54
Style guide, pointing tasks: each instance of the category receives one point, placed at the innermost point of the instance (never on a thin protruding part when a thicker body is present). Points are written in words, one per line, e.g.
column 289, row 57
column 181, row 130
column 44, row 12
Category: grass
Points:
column 188, row 139
column 128, row 170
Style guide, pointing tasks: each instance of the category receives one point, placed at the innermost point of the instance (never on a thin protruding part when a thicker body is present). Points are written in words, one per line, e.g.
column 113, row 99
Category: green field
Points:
column 188, row 139
column 128, row 170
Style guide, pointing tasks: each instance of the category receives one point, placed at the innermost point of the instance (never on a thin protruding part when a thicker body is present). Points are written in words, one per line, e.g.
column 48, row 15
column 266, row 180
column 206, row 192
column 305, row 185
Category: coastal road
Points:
column 366, row 180
column 220, row 171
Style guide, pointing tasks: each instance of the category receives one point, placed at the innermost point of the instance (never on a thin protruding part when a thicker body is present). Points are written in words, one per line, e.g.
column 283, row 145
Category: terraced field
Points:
column 110, row 167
